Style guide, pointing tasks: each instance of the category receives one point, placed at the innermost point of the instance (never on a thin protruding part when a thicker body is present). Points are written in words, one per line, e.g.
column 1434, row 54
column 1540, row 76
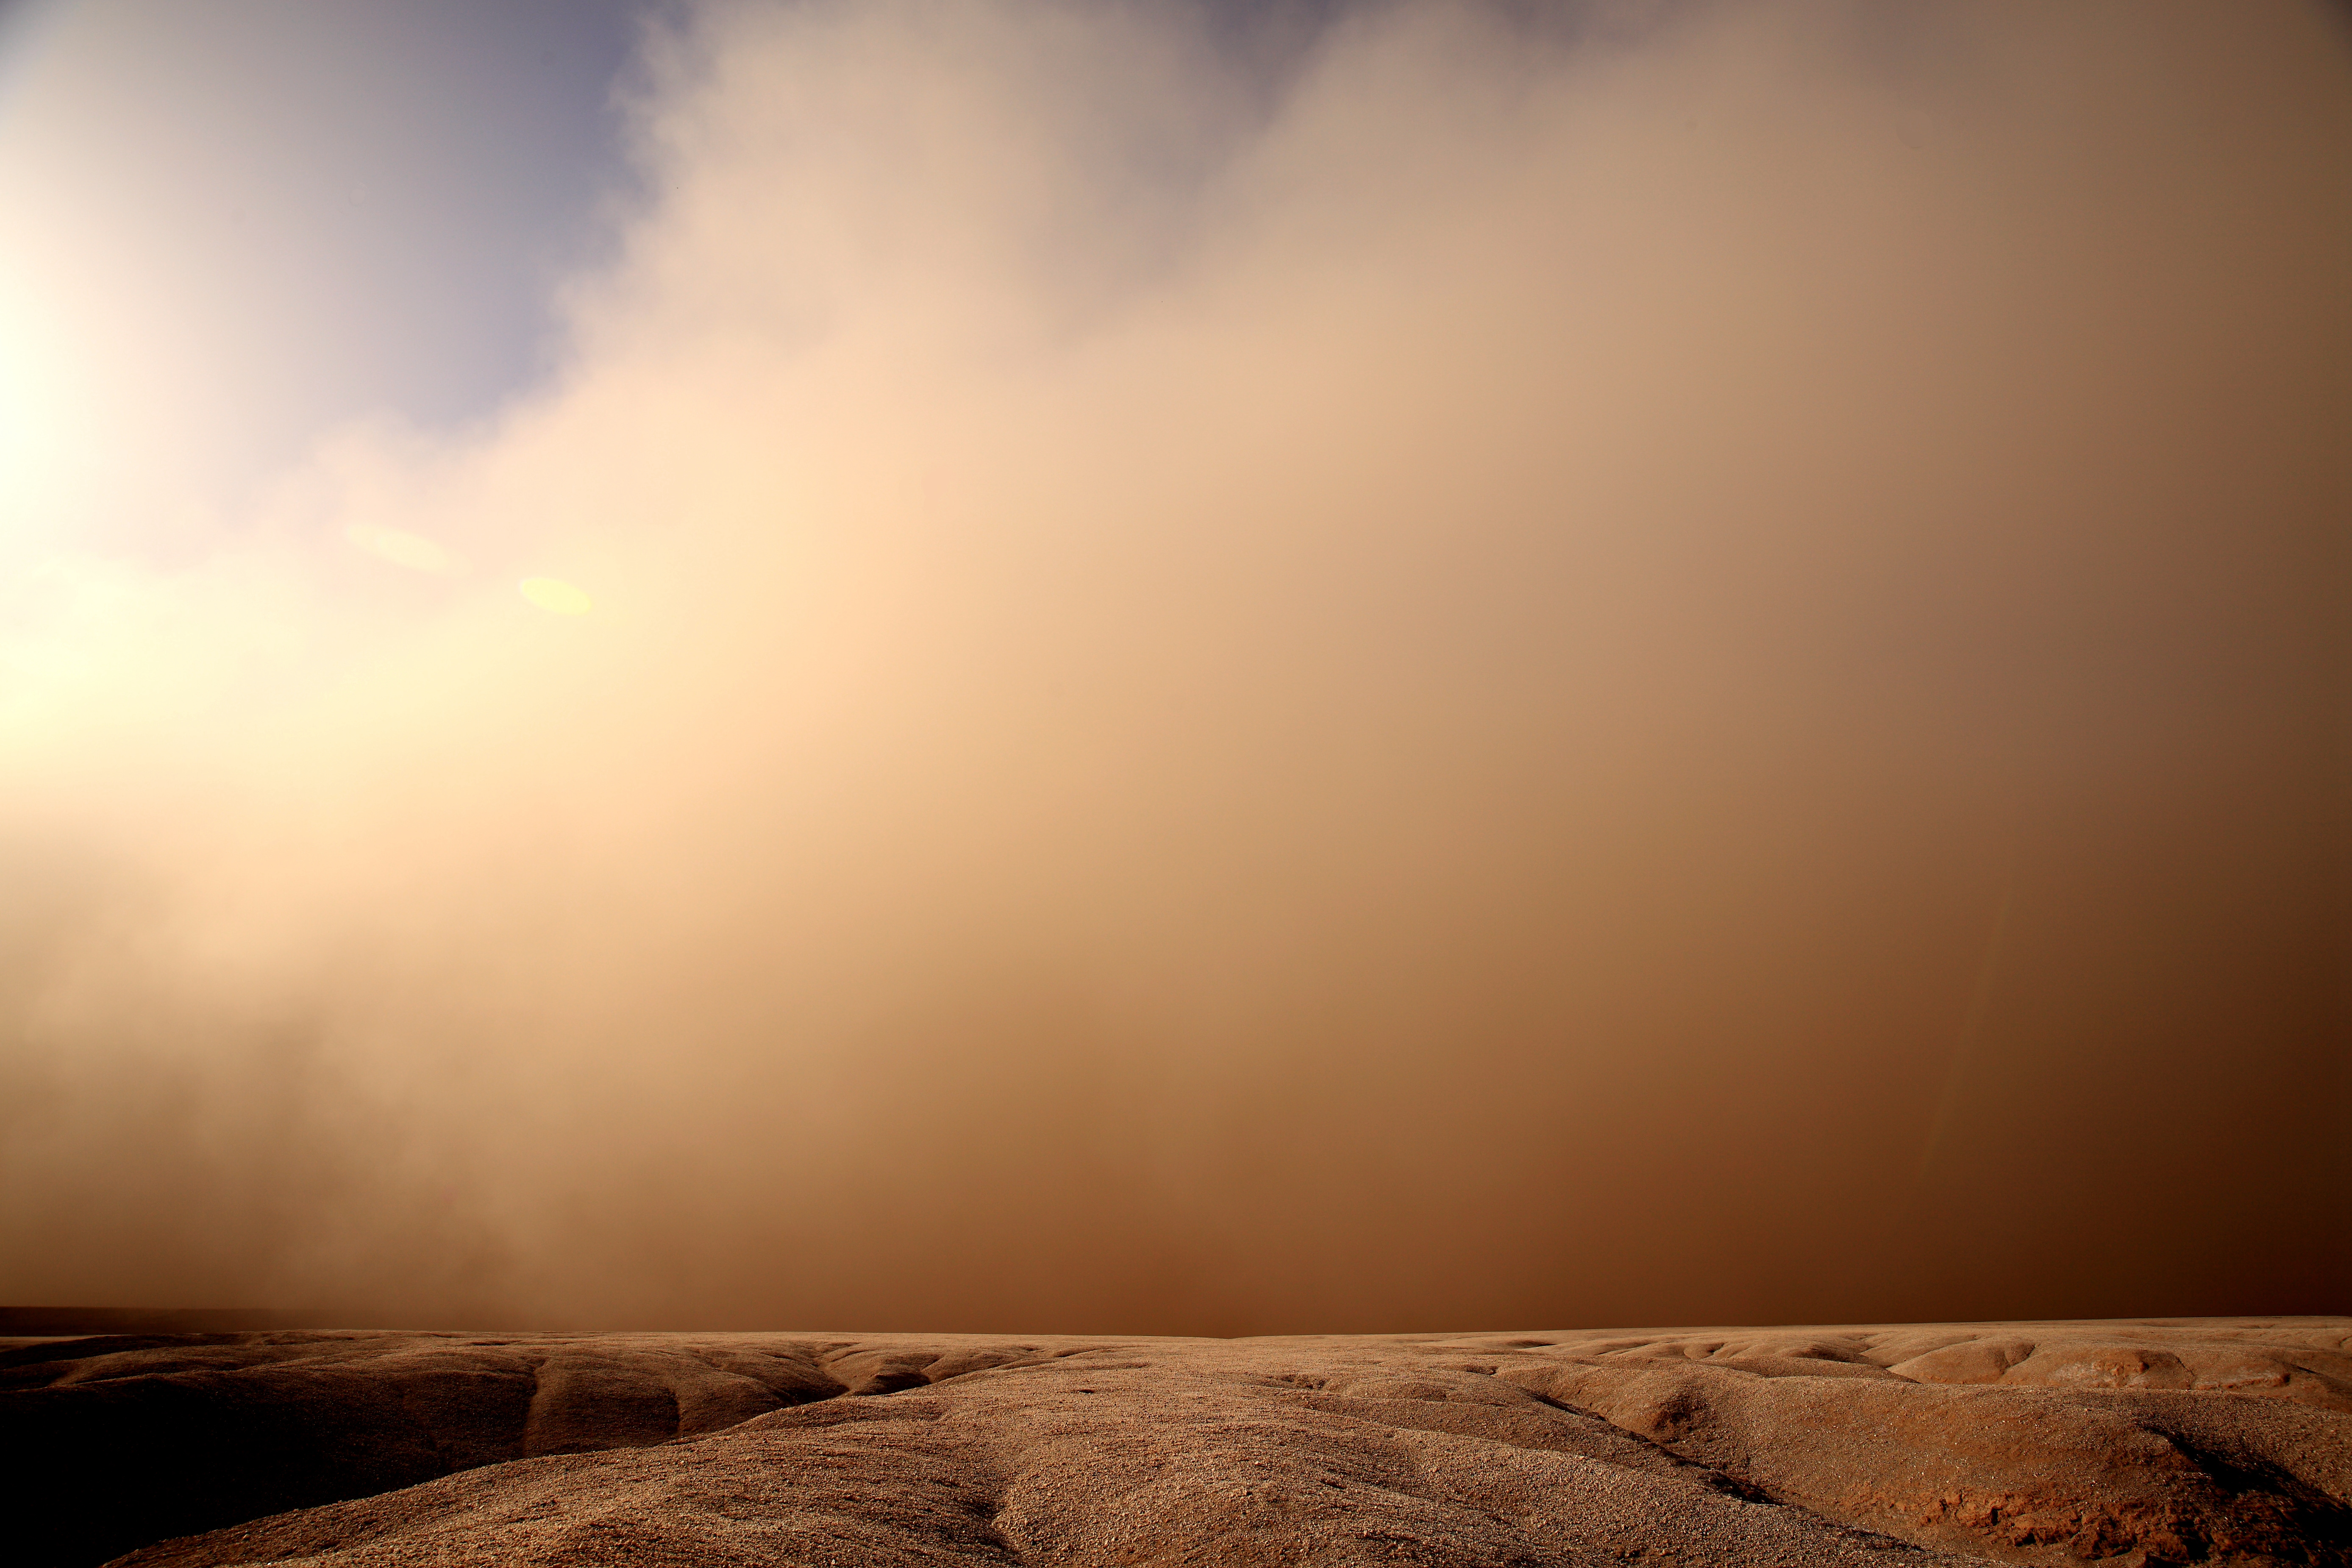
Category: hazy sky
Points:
column 1012, row 664
column 242, row 223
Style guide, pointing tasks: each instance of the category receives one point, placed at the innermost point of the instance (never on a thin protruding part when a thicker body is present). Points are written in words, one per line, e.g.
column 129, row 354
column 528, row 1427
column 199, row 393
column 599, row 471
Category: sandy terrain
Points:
column 2133, row 1442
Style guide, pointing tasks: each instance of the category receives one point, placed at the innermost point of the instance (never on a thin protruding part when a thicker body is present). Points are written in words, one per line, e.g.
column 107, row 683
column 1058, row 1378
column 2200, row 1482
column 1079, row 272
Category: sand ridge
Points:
column 2136, row 1442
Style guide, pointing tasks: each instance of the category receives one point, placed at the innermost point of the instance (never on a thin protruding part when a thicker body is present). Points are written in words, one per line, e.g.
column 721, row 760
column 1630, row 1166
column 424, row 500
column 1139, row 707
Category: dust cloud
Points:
column 1418, row 666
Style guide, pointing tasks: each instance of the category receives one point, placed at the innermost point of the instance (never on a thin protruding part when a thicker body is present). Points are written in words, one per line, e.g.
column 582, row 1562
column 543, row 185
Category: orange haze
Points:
column 1465, row 672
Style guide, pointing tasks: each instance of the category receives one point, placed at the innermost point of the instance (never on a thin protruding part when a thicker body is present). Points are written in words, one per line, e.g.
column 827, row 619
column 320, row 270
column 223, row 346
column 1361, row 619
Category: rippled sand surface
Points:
column 2132, row 1442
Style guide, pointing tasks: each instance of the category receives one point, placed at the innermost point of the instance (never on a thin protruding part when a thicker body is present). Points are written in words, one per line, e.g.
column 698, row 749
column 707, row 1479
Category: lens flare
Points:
column 402, row 548
column 555, row 595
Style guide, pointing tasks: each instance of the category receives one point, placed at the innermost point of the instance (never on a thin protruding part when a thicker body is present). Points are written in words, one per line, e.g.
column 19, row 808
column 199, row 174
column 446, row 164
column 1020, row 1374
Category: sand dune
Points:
column 2139, row 1442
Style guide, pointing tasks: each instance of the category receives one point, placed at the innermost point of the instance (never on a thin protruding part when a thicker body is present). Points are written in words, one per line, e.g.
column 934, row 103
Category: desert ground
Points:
column 2224, row 1441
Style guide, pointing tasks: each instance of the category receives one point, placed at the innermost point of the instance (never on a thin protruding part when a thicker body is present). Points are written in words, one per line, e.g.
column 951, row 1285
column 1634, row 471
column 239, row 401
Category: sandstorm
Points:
column 1438, row 666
